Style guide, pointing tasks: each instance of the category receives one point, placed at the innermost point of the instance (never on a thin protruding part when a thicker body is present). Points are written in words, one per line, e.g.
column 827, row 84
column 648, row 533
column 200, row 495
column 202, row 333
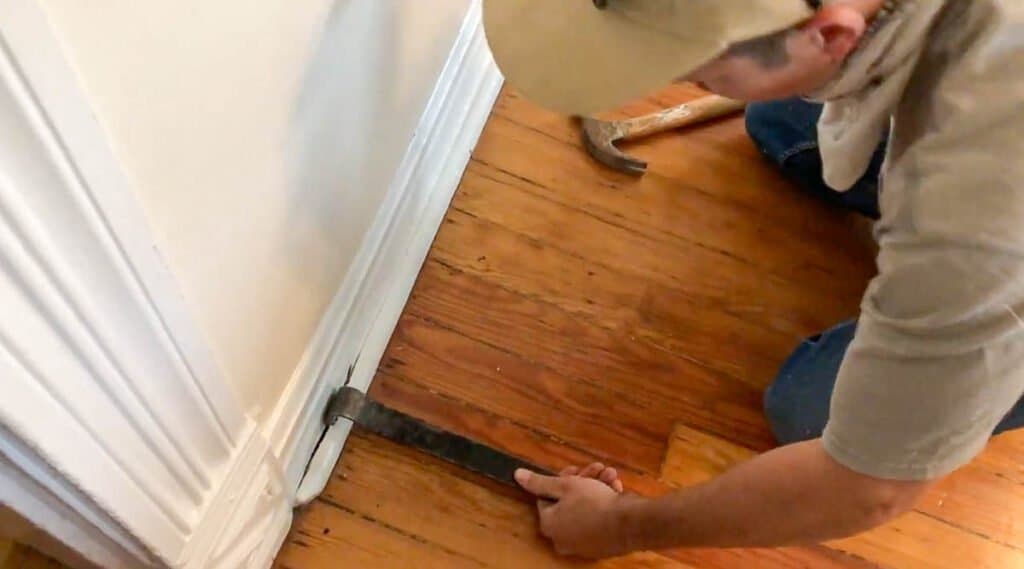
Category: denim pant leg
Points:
column 797, row 402
column 786, row 133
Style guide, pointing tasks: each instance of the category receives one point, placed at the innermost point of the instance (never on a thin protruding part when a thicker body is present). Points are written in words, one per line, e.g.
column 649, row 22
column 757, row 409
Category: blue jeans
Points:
column 797, row 402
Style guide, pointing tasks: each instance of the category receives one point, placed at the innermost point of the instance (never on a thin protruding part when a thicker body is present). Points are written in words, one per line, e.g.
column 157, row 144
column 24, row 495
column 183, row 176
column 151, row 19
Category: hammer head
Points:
column 599, row 137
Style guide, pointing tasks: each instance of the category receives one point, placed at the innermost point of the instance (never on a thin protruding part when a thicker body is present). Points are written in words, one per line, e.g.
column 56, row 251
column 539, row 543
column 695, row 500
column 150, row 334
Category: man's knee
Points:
column 762, row 120
column 791, row 416
column 782, row 128
column 797, row 403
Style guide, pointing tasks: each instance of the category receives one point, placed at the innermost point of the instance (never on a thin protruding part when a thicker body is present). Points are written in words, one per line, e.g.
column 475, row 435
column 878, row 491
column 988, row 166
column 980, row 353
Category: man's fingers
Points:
column 545, row 510
column 592, row 470
column 608, row 475
column 551, row 487
column 569, row 471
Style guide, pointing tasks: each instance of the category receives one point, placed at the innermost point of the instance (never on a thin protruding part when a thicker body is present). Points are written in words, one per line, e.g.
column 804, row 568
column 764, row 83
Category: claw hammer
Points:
column 600, row 136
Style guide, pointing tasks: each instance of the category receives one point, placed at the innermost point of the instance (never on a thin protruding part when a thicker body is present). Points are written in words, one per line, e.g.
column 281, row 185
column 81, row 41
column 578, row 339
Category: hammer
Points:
column 600, row 136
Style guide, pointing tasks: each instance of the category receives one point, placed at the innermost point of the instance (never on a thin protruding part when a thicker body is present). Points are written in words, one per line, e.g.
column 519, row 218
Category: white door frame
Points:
column 114, row 410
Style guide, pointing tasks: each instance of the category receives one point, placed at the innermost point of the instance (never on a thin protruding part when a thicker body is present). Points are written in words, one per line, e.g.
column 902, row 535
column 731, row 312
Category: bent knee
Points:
column 781, row 128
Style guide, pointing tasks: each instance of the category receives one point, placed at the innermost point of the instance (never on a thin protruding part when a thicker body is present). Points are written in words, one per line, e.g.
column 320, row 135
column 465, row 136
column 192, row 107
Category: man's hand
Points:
column 579, row 510
column 597, row 471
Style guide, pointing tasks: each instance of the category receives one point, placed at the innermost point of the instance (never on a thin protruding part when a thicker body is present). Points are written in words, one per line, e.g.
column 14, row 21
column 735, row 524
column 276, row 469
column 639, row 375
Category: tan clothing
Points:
column 938, row 357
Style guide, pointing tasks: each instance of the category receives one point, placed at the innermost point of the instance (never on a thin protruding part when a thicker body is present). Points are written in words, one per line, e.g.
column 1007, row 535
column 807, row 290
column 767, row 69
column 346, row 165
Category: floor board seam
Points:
column 734, row 381
column 584, row 380
column 710, row 194
column 415, row 537
column 714, row 196
column 635, row 469
column 591, row 321
column 672, row 285
column 973, row 532
column 662, row 236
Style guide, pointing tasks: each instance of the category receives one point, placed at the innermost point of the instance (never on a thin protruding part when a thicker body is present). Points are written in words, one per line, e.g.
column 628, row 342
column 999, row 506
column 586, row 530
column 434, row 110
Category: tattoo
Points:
column 768, row 51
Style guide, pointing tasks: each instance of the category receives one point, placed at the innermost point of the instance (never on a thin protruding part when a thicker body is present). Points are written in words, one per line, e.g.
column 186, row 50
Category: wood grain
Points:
column 626, row 365
column 461, row 513
column 327, row 535
column 910, row 541
column 465, row 517
column 714, row 280
column 639, row 285
column 576, row 411
column 570, row 314
column 663, row 214
column 18, row 556
column 517, row 439
column 717, row 166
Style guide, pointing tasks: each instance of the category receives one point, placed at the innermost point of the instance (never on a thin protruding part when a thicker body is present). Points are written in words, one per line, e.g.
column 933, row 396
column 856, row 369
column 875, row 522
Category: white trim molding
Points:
column 363, row 314
column 119, row 434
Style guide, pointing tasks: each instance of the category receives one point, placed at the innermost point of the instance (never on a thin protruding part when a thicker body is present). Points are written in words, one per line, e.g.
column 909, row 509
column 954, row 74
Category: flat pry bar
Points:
column 350, row 403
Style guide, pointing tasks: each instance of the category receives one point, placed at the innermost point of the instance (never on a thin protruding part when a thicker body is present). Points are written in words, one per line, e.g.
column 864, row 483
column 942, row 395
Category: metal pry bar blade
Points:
column 352, row 404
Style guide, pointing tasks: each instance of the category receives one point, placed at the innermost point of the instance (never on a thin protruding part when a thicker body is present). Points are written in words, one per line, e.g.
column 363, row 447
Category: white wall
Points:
column 260, row 137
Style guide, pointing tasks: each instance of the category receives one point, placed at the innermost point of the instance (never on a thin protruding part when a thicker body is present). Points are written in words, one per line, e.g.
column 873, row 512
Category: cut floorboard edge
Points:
column 913, row 540
column 969, row 499
column 693, row 456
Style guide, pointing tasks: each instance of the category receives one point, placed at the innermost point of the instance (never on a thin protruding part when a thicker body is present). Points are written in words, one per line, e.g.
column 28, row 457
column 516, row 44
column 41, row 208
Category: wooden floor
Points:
column 567, row 314
column 17, row 556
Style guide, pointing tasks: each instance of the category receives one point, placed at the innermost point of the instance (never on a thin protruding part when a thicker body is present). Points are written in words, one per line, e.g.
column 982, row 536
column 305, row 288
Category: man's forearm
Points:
column 794, row 494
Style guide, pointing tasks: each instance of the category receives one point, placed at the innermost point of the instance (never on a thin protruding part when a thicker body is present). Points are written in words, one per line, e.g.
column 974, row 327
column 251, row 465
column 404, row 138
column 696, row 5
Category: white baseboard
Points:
column 249, row 516
column 351, row 338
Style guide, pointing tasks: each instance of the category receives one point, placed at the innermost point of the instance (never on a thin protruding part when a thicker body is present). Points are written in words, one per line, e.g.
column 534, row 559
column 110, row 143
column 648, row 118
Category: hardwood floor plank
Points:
column 694, row 301
column 808, row 557
column 19, row 556
column 494, row 525
column 672, row 219
column 518, row 439
column 327, row 536
column 914, row 540
column 574, row 410
column 487, row 523
column 986, row 496
column 573, row 347
column 613, row 299
column 569, row 314
column 693, row 457
column 700, row 323
column 720, row 280
column 819, row 243
column 548, row 452
column 717, row 161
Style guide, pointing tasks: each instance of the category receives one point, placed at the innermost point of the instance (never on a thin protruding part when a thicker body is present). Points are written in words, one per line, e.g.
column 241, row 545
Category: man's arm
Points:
column 794, row 494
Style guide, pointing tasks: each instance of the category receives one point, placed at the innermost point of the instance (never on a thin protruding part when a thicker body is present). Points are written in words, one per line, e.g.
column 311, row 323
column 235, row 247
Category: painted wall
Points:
column 261, row 137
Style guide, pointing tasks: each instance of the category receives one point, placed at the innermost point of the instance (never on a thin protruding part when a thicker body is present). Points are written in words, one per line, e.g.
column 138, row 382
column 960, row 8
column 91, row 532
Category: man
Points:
column 935, row 362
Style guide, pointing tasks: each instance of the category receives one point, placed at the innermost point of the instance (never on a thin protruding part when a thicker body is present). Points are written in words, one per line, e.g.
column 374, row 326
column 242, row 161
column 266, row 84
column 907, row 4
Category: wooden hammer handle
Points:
column 694, row 112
